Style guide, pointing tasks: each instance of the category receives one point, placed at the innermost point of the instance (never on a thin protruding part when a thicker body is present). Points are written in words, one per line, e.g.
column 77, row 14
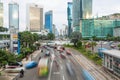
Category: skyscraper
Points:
column 87, row 9
column 14, row 15
column 53, row 28
column 49, row 21
column 69, row 18
column 82, row 9
column 1, row 14
column 14, row 27
column 34, row 17
column 77, row 10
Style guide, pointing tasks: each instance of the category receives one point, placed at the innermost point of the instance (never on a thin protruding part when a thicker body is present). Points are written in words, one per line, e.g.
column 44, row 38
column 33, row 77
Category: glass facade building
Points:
column 77, row 10
column 34, row 17
column 82, row 9
column 1, row 14
column 98, row 28
column 86, row 9
column 69, row 17
column 49, row 21
column 14, row 15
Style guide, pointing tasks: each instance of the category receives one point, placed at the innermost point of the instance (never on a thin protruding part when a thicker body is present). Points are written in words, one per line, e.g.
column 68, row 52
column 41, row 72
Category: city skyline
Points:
column 60, row 13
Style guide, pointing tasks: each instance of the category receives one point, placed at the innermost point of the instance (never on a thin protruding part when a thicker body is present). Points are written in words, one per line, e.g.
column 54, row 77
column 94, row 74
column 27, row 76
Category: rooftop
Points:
column 114, row 53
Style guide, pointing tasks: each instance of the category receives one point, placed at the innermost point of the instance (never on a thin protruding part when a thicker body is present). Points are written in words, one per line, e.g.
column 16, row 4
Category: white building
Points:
column 116, row 31
column 111, row 61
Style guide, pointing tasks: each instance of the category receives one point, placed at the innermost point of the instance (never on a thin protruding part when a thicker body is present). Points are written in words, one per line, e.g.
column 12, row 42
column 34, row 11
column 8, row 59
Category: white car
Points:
column 14, row 70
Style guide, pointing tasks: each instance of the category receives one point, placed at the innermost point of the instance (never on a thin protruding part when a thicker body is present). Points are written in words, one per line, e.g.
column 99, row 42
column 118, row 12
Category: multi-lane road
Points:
column 58, row 68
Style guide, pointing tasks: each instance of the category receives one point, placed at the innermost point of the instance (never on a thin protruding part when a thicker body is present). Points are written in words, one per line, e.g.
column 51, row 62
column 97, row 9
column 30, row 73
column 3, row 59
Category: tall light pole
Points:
column 101, row 34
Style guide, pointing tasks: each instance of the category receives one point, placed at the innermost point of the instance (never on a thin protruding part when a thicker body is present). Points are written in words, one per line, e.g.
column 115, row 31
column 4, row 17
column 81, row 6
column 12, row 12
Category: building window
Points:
column 110, row 64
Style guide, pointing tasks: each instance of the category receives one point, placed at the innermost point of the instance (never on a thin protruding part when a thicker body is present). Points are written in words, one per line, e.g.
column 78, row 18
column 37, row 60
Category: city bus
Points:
column 43, row 67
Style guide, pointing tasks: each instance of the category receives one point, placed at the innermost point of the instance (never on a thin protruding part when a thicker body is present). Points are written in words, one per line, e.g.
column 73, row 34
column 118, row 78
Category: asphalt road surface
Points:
column 58, row 68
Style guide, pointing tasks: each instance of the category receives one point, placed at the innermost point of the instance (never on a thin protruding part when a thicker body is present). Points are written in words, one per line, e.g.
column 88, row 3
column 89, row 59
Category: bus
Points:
column 43, row 67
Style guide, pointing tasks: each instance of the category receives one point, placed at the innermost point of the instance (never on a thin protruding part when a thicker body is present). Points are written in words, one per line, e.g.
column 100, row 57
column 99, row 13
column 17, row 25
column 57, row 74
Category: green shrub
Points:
column 79, row 44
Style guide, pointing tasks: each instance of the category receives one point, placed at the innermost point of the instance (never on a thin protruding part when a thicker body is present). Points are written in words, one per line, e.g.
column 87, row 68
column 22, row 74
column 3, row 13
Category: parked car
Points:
column 14, row 70
column 14, row 64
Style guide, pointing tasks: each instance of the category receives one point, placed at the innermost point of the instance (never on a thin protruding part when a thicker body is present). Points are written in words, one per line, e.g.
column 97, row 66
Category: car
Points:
column 47, row 53
column 31, row 64
column 62, row 48
column 14, row 70
column 58, row 48
column 112, row 46
column 62, row 55
column 68, row 52
column 14, row 64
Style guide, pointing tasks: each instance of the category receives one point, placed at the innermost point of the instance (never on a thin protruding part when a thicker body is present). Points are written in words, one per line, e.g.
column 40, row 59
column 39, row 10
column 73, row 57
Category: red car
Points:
column 62, row 56
column 68, row 52
column 61, row 50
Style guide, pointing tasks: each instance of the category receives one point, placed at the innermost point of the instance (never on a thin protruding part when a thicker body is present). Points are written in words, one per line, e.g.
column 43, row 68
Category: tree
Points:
column 93, row 44
column 51, row 36
column 119, row 46
column 3, row 29
column 79, row 44
column 6, row 57
column 35, row 36
column 75, row 37
column 108, row 37
column 26, row 38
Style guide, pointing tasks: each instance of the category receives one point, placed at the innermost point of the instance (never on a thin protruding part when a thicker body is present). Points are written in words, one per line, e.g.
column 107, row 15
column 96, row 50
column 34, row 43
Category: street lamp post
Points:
column 101, row 34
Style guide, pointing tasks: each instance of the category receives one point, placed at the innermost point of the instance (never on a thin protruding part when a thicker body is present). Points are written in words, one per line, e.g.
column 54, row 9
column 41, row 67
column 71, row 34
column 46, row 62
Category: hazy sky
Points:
column 59, row 7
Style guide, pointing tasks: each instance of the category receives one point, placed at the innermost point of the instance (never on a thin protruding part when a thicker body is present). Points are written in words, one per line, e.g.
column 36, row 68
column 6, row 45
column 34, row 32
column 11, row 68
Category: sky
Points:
column 59, row 7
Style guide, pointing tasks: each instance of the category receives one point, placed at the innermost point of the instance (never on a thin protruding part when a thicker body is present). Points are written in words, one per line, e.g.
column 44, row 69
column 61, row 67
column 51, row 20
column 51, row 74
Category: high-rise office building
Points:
column 53, row 28
column 49, row 21
column 82, row 9
column 1, row 14
column 14, row 27
column 34, row 17
column 69, row 18
column 87, row 9
column 14, row 15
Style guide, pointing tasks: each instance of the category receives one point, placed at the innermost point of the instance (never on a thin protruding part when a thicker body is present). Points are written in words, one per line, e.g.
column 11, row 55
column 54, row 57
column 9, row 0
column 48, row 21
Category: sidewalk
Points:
column 10, row 76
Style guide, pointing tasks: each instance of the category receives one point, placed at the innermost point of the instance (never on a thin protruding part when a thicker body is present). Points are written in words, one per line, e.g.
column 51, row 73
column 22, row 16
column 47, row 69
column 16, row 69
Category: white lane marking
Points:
column 63, row 77
column 50, row 70
column 56, row 73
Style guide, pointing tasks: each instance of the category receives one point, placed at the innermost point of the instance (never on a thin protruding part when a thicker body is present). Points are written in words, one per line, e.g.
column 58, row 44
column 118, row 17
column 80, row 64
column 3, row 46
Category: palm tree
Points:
column 93, row 44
